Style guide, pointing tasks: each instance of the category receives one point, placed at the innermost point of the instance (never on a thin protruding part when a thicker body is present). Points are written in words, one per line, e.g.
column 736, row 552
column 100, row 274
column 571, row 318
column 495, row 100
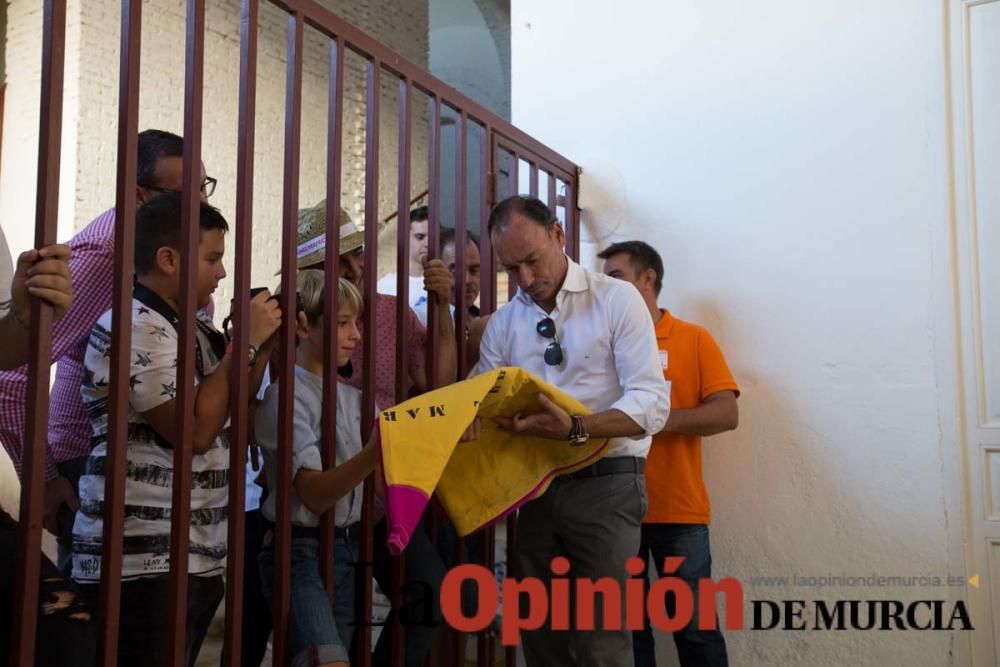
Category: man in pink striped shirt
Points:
column 92, row 268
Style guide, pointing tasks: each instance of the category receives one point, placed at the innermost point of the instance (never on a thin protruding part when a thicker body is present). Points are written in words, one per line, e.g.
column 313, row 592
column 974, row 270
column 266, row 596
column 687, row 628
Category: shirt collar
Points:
column 576, row 281
column 665, row 325
column 153, row 301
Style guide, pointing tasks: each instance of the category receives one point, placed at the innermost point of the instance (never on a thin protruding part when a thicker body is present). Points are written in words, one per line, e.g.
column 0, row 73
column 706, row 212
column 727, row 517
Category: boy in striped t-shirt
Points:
column 152, row 435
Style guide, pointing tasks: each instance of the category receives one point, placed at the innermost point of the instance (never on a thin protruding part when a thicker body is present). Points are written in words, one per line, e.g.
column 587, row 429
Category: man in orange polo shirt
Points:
column 702, row 403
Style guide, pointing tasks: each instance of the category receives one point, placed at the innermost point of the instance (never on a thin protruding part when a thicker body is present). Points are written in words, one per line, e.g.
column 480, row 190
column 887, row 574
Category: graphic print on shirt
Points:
column 149, row 473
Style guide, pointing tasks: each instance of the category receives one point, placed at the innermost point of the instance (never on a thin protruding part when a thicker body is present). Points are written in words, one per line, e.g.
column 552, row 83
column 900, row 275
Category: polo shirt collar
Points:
column 665, row 325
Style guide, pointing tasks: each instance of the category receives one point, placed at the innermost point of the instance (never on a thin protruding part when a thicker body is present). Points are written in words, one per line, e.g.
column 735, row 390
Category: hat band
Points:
column 318, row 243
column 311, row 245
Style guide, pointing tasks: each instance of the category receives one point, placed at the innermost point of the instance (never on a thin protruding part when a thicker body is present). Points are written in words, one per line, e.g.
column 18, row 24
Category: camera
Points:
column 300, row 306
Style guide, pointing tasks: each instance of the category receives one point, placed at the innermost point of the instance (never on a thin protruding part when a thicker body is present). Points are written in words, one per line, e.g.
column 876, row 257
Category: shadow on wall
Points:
column 791, row 499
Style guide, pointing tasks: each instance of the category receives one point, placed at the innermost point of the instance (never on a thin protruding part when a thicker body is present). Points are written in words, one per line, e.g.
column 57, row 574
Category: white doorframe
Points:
column 973, row 110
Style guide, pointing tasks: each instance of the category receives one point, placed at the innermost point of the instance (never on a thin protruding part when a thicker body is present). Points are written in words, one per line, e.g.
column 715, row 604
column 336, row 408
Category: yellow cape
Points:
column 480, row 481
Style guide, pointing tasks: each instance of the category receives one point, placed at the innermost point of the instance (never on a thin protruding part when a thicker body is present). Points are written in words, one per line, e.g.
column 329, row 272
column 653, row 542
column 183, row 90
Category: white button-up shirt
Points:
column 610, row 360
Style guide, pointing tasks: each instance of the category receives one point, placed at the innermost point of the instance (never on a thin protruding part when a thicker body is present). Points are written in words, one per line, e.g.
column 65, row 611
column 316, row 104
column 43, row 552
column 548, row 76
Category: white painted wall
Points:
column 788, row 159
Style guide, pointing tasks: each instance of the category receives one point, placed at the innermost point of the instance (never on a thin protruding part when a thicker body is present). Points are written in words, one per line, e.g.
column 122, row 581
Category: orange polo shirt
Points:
column 696, row 369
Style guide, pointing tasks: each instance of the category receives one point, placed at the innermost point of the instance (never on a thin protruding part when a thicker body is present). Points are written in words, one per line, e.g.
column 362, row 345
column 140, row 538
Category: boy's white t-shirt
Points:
column 387, row 285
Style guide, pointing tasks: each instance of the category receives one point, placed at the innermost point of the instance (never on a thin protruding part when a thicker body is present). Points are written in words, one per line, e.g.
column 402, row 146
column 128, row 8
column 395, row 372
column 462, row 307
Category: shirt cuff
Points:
column 651, row 419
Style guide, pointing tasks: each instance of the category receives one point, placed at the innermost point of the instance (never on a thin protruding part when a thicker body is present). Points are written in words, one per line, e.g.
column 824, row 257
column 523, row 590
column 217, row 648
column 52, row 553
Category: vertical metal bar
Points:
column 515, row 167
column 573, row 219
column 396, row 652
column 533, row 179
column 461, row 240
column 286, row 390
column 190, row 235
column 510, row 653
column 433, row 309
column 552, row 193
column 487, row 197
column 29, row 530
column 373, row 105
column 486, row 649
column 121, row 333
column 331, row 298
column 433, row 225
column 239, row 396
column 455, row 640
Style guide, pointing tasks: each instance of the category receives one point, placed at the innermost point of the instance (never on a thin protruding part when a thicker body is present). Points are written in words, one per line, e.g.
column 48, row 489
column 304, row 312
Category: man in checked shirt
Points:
column 92, row 267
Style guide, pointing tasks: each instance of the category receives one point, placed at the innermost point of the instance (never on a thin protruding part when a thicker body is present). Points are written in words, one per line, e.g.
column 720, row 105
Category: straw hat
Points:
column 312, row 235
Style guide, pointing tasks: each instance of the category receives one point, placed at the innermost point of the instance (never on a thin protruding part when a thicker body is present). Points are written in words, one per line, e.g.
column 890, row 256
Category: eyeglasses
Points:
column 207, row 187
column 553, row 352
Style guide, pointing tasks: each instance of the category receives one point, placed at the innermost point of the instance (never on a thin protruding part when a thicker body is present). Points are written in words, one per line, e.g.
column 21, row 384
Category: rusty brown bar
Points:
column 573, row 220
column 486, row 648
column 461, row 239
column 552, row 193
column 533, row 180
column 396, row 653
column 513, row 179
column 121, row 332
column 510, row 653
column 403, row 237
column 487, row 198
column 515, row 169
column 433, row 225
column 331, row 299
column 455, row 642
column 191, row 201
column 433, row 309
column 286, row 391
column 29, row 530
column 239, row 395
column 363, row 655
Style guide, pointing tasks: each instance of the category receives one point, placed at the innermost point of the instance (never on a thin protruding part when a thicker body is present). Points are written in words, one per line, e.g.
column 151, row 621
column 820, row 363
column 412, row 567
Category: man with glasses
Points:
column 159, row 169
column 591, row 336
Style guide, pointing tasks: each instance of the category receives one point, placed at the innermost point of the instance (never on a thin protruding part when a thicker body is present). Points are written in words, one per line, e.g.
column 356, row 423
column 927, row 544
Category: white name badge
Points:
column 663, row 359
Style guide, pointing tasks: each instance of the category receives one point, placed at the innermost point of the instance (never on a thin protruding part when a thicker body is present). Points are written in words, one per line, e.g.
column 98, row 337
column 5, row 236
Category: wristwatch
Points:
column 252, row 357
column 577, row 434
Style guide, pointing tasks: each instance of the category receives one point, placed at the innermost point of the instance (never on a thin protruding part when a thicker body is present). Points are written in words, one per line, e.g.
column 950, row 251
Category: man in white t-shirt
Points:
column 418, row 253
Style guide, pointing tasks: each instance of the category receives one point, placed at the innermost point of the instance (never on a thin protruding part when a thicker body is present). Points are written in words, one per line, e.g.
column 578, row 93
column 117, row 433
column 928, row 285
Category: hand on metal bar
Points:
column 438, row 280
column 44, row 274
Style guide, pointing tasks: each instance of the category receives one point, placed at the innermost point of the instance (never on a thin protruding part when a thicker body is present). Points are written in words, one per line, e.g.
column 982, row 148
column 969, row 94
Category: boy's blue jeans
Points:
column 318, row 634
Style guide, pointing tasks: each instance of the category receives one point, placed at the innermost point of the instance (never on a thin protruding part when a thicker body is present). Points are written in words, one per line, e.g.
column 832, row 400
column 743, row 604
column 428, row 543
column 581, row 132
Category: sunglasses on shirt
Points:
column 553, row 352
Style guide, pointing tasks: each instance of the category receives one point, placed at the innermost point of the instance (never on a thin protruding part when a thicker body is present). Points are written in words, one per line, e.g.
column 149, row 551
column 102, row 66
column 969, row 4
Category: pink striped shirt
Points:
column 91, row 265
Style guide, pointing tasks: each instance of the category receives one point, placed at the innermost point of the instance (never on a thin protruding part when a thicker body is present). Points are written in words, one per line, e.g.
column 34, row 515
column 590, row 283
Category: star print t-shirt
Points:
column 149, row 478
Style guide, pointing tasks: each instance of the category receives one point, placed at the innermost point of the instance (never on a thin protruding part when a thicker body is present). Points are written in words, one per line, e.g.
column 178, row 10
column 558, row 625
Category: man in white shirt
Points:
column 591, row 336
column 418, row 252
